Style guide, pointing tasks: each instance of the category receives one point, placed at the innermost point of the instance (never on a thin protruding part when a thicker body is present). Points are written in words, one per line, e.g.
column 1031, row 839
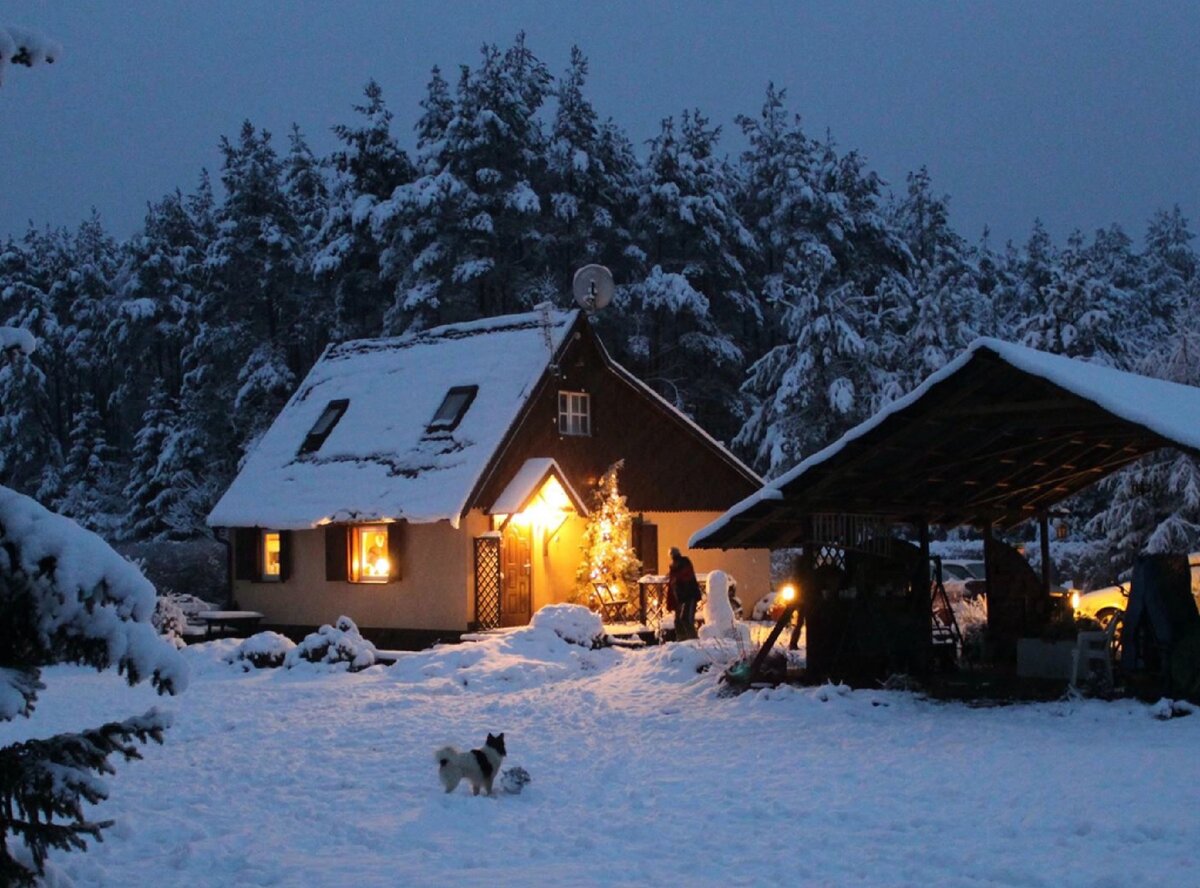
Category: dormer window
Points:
column 324, row 425
column 454, row 407
column 574, row 413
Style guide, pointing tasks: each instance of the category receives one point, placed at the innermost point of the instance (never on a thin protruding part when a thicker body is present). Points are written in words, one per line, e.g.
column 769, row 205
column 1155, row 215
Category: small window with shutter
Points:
column 261, row 556
column 364, row 553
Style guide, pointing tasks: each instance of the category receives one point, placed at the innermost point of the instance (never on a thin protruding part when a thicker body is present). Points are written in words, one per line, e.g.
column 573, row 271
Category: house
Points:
column 438, row 482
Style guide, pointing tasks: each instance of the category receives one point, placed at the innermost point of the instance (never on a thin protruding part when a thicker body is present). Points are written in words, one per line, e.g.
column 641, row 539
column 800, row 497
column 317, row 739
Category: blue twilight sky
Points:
column 1080, row 113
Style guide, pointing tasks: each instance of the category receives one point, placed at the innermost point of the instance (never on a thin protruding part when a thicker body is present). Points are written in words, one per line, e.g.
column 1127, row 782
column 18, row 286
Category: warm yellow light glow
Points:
column 370, row 561
column 271, row 556
column 547, row 509
column 788, row 593
column 1075, row 600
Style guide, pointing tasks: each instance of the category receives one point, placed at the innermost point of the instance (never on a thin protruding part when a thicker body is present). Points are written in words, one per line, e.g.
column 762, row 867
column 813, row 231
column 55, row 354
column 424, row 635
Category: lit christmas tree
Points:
column 608, row 555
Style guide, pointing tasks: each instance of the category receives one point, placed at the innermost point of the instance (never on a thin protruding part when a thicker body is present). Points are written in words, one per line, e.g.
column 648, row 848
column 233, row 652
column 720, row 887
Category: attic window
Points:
column 574, row 413
column 324, row 425
column 454, row 407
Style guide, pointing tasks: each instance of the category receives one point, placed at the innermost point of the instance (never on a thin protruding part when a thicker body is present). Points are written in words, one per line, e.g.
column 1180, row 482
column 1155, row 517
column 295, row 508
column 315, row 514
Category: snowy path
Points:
column 641, row 775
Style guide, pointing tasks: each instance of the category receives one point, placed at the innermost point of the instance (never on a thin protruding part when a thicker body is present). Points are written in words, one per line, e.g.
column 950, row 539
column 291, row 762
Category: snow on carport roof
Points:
column 380, row 460
column 1127, row 416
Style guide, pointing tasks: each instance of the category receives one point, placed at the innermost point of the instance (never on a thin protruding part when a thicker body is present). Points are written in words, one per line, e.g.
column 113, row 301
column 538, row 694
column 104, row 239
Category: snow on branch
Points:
column 69, row 597
column 19, row 46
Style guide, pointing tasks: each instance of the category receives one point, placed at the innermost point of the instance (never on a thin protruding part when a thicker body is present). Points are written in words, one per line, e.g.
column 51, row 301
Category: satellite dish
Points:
column 593, row 287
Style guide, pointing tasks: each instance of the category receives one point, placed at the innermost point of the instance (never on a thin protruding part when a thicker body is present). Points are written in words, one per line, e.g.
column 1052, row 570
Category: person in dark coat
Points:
column 686, row 589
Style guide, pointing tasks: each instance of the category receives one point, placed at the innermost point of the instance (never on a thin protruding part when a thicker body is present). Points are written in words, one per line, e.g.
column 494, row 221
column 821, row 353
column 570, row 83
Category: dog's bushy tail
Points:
column 445, row 755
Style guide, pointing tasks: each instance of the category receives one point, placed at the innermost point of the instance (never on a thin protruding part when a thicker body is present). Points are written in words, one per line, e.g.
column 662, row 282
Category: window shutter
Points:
column 285, row 555
column 337, row 557
column 645, row 545
column 395, row 535
column 245, row 553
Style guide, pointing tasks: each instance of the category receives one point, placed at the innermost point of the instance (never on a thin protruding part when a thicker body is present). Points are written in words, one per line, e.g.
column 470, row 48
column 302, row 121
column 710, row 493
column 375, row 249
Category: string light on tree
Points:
column 608, row 555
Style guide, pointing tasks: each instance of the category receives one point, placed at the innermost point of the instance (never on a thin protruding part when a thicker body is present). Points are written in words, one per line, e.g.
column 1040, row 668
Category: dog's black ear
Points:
column 491, row 738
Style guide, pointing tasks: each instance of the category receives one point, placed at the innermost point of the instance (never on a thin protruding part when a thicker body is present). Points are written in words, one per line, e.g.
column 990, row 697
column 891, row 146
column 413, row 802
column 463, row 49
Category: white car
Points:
column 1101, row 604
column 963, row 579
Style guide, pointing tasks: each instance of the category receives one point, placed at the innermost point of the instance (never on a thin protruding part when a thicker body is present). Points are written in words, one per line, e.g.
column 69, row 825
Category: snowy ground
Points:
column 642, row 774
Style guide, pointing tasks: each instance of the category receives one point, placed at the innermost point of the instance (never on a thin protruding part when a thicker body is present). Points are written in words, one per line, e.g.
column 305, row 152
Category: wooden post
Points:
column 924, row 603
column 1044, row 537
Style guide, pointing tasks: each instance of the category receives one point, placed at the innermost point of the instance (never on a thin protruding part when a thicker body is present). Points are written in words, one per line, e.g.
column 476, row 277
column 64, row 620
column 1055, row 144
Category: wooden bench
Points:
column 612, row 607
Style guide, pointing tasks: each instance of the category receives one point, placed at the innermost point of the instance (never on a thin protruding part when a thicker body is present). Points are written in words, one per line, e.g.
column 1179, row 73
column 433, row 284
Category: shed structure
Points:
column 995, row 438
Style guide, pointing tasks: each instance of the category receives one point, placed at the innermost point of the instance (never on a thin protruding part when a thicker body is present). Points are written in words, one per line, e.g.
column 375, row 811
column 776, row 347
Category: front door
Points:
column 516, row 593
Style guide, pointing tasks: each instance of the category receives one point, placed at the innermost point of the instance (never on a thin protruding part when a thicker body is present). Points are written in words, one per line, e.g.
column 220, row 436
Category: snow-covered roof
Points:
column 379, row 461
column 526, row 483
column 1167, row 410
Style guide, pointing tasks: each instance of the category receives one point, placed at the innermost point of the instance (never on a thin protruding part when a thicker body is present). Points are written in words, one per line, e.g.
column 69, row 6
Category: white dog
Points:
column 478, row 766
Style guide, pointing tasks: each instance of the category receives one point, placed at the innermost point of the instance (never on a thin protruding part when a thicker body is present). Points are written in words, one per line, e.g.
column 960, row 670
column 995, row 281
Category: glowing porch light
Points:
column 1075, row 600
column 788, row 593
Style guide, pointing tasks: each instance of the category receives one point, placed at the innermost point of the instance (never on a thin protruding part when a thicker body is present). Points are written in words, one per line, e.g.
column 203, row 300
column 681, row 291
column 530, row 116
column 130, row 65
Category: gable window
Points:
column 324, row 425
column 574, row 413
column 453, row 408
column 272, row 555
column 370, row 559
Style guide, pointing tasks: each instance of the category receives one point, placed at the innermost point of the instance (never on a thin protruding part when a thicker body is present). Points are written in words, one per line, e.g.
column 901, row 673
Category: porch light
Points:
column 548, row 509
column 787, row 594
column 1075, row 600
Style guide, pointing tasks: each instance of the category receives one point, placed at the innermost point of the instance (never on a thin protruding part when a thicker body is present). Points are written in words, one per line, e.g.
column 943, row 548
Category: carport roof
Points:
column 998, row 435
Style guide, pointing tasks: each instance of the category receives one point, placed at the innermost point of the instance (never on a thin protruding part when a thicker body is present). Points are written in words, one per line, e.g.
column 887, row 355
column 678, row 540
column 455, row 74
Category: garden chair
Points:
column 613, row 608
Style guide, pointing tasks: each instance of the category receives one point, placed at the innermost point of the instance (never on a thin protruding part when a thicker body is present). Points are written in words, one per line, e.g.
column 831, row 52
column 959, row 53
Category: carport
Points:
column 996, row 438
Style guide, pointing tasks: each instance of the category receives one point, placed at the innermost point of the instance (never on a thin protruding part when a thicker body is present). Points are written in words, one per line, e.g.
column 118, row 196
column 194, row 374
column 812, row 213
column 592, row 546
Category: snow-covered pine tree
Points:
column 1155, row 503
column 146, row 484
column 947, row 307
column 65, row 596
column 367, row 168
column 464, row 238
column 28, row 445
column 590, row 173
column 255, row 301
column 833, row 276
column 89, row 486
column 608, row 553
column 1079, row 311
column 691, row 309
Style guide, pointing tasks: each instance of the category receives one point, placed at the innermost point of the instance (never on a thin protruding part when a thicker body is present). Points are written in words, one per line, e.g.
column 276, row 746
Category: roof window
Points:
column 324, row 425
column 454, row 407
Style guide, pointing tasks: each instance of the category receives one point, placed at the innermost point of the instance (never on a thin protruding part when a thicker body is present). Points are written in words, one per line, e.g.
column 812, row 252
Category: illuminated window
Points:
column 324, row 425
column 272, row 563
column 454, row 407
column 574, row 413
column 369, row 559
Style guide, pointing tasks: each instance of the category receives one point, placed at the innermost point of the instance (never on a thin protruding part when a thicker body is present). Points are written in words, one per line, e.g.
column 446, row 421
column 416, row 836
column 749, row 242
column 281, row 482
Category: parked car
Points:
column 963, row 579
column 1102, row 604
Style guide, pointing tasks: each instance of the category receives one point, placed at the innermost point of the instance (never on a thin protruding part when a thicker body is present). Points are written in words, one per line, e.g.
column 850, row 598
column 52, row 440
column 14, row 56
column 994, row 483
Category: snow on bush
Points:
column 339, row 643
column 266, row 650
column 573, row 623
column 169, row 619
column 84, row 595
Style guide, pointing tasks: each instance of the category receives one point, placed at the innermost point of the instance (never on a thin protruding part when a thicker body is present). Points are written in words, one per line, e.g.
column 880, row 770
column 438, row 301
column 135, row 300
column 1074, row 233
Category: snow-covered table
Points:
column 230, row 620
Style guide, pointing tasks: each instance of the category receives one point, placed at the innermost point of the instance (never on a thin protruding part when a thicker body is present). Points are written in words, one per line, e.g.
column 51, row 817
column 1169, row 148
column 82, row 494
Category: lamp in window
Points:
column 370, row 560
column 272, row 559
